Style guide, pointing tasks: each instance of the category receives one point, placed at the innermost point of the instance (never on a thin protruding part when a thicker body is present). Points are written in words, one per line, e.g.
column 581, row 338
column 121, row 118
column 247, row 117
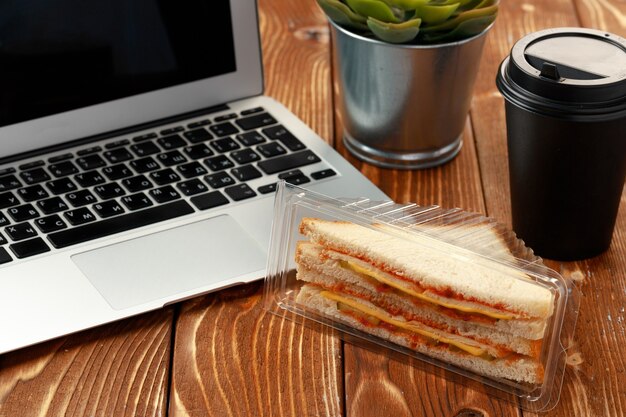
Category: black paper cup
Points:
column 565, row 102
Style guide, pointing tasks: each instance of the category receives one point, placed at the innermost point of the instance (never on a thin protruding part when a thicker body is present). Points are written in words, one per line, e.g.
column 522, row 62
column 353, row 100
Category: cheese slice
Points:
column 473, row 350
column 381, row 278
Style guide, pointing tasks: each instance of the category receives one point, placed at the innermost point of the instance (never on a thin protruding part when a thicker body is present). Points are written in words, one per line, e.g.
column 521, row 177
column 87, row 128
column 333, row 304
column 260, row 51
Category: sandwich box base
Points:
column 515, row 354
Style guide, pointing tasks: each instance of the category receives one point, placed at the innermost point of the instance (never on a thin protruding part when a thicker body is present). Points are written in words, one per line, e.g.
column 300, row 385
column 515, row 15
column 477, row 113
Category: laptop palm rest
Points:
column 171, row 262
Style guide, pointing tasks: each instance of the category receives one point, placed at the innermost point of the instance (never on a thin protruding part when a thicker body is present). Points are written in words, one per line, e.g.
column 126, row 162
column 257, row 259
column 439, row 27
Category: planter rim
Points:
column 348, row 32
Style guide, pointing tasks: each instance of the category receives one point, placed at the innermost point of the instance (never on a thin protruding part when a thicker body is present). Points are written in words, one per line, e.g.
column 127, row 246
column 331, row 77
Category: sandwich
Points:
column 426, row 295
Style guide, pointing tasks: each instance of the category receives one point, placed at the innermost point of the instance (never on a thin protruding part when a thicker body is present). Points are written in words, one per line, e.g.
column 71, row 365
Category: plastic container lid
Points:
column 566, row 70
column 456, row 238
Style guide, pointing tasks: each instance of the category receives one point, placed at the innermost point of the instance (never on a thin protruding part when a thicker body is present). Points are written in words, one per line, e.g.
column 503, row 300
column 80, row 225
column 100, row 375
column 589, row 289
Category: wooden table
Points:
column 222, row 355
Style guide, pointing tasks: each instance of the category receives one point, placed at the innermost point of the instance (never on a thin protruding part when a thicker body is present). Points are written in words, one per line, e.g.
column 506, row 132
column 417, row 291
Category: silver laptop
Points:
column 139, row 159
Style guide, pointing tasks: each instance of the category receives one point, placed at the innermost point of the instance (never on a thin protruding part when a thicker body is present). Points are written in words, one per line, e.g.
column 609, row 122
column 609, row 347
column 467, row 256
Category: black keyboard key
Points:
column 108, row 208
column 118, row 155
column 164, row 194
column 271, row 149
column 172, row 142
column 22, row 213
column 171, row 158
column 52, row 205
column 164, row 176
column 20, row 231
column 144, row 165
column 63, row 168
column 116, row 172
column 136, row 201
column 198, row 151
column 9, row 182
column 34, row 176
column 61, row 186
column 138, row 183
column 59, row 158
column 199, row 123
column 30, row 165
column 220, row 179
column 298, row 180
column 225, row 117
column 79, row 216
column 256, row 121
column 117, row 144
column 50, row 223
column 32, row 193
column 325, row 173
column 252, row 111
column 266, row 189
column 3, row 220
column 284, row 163
column 89, row 151
column 250, row 138
column 5, row 171
column 240, row 192
column 218, row 163
column 291, row 173
column 90, row 162
column 145, row 149
column 145, row 136
column 284, row 136
column 4, row 255
column 224, row 145
column 224, row 129
column 198, row 135
column 246, row 173
column 192, row 169
column 245, row 156
column 118, row 224
column 110, row 190
column 30, row 247
column 209, row 200
column 3, row 241
column 80, row 198
column 295, row 177
column 192, row 187
column 89, row 178
column 171, row 130
column 8, row 199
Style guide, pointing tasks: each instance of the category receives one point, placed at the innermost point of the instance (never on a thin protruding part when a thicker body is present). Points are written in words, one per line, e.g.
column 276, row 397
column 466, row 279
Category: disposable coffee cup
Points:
column 565, row 102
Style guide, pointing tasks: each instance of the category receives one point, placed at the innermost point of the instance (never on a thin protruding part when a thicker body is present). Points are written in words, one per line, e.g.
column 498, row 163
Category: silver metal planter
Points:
column 404, row 106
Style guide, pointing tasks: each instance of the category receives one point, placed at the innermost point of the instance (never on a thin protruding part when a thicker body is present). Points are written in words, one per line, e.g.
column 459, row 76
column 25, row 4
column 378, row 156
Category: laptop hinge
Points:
column 113, row 133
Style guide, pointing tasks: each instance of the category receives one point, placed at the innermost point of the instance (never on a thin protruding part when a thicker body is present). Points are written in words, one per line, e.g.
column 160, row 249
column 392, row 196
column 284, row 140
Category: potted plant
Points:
column 406, row 71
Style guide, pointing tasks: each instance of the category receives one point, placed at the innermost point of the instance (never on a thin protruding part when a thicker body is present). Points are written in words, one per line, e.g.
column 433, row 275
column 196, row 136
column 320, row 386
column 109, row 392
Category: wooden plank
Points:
column 235, row 359
column 595, row 375
column 232, row 358
column 121, row 369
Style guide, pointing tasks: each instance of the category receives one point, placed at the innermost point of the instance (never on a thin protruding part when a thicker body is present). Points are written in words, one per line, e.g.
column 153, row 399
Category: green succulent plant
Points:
column 414, row 21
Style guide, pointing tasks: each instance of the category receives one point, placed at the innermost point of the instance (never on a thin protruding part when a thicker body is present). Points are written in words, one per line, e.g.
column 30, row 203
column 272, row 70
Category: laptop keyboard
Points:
column 129, row 183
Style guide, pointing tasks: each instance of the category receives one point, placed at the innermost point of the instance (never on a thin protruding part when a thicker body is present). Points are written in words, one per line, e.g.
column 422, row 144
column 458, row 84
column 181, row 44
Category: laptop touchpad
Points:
column 201, row 254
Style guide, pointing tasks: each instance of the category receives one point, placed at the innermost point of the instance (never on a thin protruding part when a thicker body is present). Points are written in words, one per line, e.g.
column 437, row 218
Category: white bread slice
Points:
column 330, row 273
column 521, row 369
column 434, row 264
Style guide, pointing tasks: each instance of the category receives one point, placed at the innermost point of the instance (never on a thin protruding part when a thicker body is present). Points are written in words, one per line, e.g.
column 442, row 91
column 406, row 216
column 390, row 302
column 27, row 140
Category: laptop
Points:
column 139, row 159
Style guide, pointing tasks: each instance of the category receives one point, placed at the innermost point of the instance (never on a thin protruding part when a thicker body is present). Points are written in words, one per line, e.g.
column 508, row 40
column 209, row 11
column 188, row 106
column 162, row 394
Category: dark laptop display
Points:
column 57, row 56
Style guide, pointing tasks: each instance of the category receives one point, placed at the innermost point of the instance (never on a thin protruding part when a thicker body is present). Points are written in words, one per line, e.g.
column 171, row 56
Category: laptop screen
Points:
column 60, row 55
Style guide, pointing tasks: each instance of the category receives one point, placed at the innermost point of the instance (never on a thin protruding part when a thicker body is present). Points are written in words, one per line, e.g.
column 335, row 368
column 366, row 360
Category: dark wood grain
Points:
column 235, row 359
column 121, row 369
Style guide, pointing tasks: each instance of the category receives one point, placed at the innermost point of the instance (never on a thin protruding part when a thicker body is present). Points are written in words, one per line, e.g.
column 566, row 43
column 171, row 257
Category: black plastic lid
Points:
column 567, row 70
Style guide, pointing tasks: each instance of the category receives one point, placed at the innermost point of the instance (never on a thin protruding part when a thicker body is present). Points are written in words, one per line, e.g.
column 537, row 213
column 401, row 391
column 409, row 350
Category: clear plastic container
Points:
column 377, row 299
